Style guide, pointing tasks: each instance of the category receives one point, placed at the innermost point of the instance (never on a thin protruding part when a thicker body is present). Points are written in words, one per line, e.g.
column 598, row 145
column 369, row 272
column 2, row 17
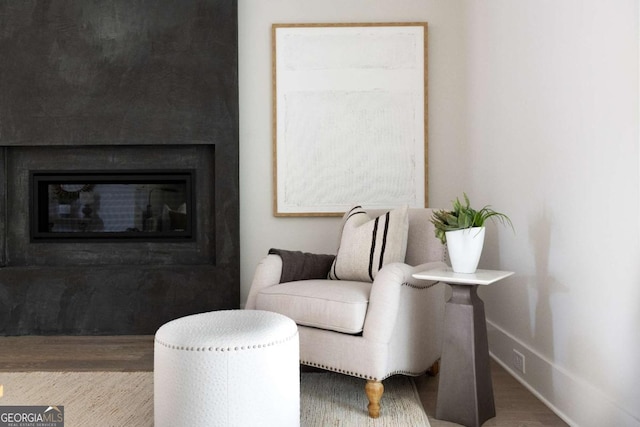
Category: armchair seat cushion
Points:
column 338, row 306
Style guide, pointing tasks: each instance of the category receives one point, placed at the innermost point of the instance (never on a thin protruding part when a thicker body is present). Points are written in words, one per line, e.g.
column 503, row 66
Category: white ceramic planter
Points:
column 465, row 248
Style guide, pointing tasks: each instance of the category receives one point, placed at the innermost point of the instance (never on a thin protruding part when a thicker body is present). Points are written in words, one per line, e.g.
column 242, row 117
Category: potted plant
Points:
column 462, row 230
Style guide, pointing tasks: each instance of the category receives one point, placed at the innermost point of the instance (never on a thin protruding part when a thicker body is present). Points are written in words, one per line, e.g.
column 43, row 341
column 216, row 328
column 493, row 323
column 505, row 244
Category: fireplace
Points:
column 111, row 205
column 147, row 235
column 119, row 205
column 153, row 184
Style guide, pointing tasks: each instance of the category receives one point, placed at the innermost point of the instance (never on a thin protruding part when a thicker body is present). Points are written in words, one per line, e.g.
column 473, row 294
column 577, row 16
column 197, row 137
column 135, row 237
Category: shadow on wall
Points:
column 541, row 289
column 564, row 341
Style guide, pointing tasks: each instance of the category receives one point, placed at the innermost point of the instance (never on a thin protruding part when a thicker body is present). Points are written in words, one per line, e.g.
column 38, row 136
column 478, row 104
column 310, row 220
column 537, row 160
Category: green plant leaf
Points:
column 464, row 216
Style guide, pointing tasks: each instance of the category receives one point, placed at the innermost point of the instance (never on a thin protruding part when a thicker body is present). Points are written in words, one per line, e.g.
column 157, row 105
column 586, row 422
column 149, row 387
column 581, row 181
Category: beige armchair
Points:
column 367, row 330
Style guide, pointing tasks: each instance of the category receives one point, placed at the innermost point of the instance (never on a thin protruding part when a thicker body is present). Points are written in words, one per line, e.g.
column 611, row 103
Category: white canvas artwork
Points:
column 349, row 117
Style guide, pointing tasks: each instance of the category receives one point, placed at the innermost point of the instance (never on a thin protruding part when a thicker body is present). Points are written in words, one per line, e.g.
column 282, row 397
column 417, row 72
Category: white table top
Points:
column 480, row 277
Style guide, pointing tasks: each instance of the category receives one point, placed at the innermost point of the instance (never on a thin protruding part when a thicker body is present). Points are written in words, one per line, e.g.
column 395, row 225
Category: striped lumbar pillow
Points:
column 368, row 244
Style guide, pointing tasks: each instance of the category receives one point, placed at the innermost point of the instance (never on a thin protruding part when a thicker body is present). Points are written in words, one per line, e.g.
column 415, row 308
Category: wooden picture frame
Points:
column 349, row 117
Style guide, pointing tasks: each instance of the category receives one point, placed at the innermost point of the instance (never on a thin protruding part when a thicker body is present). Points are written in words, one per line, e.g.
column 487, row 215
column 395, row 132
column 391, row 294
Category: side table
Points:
column 465, row 390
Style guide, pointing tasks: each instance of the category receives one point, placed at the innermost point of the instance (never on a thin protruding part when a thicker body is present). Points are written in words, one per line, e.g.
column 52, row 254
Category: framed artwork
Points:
column 349, row 117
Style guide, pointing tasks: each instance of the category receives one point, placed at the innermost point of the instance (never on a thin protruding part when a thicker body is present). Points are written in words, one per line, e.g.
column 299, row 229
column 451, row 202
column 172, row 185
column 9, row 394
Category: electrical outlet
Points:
column 518, row 361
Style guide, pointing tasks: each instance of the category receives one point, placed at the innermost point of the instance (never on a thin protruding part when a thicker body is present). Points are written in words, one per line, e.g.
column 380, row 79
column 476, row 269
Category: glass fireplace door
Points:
column 146, row 205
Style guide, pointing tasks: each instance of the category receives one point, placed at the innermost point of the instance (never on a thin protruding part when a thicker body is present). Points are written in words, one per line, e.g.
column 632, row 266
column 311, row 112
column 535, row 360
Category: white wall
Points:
column 553, row 134
column 259, row 230
column 533, row 108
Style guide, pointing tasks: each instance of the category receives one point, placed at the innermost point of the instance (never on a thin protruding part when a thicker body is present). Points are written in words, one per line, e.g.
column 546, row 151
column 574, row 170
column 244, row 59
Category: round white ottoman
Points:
column 227, row 368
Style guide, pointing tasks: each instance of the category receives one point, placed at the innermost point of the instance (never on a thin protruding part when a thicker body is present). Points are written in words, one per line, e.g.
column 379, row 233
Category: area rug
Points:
column 89, row 398
column 328, row 399
column 126, row 398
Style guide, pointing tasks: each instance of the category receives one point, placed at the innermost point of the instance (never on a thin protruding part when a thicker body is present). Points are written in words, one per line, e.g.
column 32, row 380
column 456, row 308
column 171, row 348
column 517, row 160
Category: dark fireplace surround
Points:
column 110, row 87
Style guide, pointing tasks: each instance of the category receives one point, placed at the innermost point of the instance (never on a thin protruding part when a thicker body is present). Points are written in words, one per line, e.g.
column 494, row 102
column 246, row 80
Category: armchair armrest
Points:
column 385, row 298
column 267, row 274
column 286, row 266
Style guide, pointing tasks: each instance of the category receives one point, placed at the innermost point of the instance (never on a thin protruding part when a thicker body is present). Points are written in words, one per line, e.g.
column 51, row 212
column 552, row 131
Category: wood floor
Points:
column 515, row 406
column 76, row 353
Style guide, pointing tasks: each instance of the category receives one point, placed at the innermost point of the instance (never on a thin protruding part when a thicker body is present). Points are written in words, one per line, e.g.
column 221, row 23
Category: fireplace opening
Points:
column 112, row 205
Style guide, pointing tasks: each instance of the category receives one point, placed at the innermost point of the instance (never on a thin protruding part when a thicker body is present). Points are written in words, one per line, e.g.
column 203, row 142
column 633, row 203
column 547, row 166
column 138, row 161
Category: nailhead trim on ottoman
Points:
column 227, row 368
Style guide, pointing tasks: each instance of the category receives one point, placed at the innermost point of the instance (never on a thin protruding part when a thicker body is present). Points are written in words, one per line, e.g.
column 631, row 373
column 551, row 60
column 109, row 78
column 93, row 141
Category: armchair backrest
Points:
column 422, row 245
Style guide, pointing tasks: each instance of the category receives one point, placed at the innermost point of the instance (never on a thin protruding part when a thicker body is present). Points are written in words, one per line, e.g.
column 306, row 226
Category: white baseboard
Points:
column 573, row 399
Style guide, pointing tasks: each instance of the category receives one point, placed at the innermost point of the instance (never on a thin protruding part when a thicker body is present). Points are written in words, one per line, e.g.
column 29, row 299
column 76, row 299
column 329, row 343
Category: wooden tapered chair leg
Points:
column 434, row 369
column 374, row 390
